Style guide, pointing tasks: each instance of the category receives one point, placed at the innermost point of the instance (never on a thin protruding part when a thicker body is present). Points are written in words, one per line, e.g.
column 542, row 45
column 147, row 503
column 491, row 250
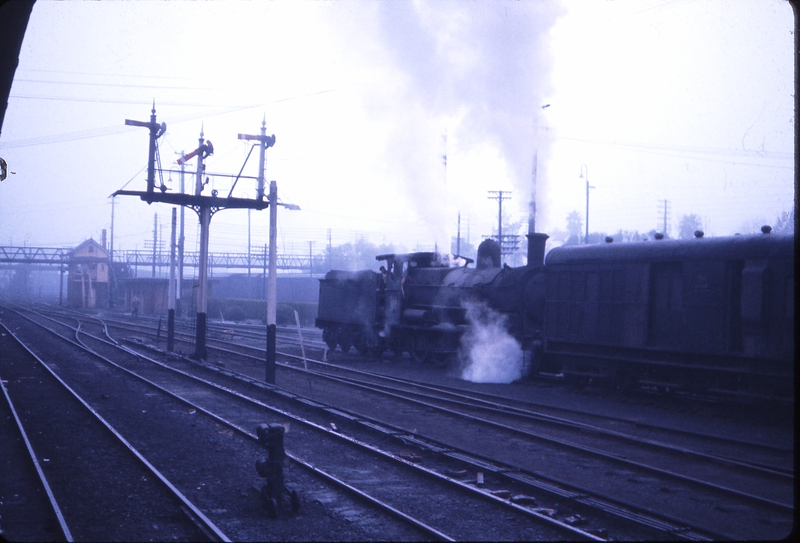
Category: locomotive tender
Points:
column 712, row 314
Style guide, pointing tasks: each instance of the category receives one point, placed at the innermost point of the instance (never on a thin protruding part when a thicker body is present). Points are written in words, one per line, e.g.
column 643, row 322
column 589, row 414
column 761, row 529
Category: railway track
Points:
column 98, row 485
column 461, row 509
column 735, row 476
column 631, row 453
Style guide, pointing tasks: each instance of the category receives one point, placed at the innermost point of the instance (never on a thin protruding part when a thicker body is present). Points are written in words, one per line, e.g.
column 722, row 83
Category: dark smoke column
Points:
column 536, row 242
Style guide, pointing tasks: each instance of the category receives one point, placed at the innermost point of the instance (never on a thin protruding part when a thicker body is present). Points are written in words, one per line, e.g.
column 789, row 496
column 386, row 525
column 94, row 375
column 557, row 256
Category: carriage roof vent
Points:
column 698, row 234
column 659, row 235
column 766, row 229
column 609, row 239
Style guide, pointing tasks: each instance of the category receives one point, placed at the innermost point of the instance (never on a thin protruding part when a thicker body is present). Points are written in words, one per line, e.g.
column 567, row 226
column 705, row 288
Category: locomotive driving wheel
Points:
column 329, row 337
column 361, row 344
column 419, row 349
column 345, row 340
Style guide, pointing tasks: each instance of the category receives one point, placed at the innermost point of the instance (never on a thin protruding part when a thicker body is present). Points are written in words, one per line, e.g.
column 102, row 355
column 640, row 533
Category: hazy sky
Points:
column 688, row 101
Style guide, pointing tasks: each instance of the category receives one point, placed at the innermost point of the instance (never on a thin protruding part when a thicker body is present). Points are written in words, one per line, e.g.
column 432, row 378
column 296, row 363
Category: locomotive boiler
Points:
column 418, row 302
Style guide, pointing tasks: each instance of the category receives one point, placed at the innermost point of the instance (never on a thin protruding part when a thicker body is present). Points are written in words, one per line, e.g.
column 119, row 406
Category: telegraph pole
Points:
column 499, row 195
column 330, row 250
column 155, row 241
column 665, row 217
column 458, row 236
column 585, row 168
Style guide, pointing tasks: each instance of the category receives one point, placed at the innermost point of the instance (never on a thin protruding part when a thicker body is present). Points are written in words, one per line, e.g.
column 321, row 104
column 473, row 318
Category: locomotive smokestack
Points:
column 536, row 244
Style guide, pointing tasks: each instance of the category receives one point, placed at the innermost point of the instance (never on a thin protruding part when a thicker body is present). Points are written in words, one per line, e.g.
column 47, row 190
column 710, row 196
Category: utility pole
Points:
column 330, row 251
column 499, row 195
column 585, row 168
column 155, row 241
column 310, row 259
column 458, row 236
column 665, row 218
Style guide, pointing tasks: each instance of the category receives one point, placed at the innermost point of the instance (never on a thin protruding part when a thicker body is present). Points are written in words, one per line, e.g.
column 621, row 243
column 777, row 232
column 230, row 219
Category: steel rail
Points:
column 52, row 499
column 647, row 467
column 595, row 501
column 585, row 449
column 205, row 523
column 558, row 421
column 493, row 400
column 378, row 503
column 616, row 509
column 589, row 450
column 512, row 410
column 575, row 531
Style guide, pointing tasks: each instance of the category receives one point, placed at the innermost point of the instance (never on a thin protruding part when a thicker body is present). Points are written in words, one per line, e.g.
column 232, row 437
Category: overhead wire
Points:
column 117, row 129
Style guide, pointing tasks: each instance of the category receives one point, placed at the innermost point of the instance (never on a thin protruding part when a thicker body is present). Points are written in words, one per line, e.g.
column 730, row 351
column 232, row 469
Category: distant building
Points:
column 87, row 286
column 151, row 295
column 289, row 288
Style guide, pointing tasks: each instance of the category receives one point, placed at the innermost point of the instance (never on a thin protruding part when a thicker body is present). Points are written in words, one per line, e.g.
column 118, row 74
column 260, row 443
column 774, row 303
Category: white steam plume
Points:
column 480, row 68
column 489, row 353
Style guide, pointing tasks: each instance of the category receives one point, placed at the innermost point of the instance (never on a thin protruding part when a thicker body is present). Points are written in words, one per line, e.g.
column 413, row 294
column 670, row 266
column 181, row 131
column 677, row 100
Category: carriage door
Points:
column 733, row 290
column 666, row 305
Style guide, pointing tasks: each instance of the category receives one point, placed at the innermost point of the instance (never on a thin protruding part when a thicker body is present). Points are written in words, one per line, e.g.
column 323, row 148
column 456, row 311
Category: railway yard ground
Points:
column 104, row 435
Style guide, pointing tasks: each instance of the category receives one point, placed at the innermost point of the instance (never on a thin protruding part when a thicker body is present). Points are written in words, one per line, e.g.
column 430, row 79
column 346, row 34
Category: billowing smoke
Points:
column 489, row 353
column 481, row 71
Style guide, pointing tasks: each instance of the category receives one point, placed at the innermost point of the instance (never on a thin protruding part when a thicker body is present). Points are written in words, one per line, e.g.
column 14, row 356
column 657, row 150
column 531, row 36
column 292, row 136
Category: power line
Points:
column 125, row 85
column 117, row 129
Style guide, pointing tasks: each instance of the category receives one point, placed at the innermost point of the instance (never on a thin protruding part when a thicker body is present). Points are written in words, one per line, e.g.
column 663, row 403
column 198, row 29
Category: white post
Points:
column 272, row 283
column 172, row 289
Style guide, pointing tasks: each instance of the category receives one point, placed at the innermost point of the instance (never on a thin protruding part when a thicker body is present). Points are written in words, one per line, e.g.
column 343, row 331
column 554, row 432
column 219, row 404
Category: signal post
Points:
column 205, row 207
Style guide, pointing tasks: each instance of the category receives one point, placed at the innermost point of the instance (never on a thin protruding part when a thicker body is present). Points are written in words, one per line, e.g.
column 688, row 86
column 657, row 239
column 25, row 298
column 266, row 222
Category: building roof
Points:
column 89, row 250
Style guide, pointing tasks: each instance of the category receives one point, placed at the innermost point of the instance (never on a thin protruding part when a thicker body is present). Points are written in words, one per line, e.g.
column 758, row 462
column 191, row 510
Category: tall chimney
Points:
column 532, row 205
column 536, row 243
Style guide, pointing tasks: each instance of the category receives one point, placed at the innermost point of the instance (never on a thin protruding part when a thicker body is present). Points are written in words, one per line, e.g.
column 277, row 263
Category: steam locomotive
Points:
column 710, row 314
